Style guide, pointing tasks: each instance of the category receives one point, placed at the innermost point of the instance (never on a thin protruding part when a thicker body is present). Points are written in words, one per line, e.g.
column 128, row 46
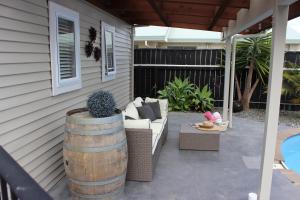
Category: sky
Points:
column 295, row 24
column 156, row 32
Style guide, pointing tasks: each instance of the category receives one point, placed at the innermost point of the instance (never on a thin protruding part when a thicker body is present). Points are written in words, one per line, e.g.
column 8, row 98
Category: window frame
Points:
column 60, row 86
column 107, row 76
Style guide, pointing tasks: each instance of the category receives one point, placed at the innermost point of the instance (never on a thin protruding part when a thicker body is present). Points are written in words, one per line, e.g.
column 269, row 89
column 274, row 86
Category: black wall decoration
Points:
column 97, row 53
column 89, row 47
column 93, row 34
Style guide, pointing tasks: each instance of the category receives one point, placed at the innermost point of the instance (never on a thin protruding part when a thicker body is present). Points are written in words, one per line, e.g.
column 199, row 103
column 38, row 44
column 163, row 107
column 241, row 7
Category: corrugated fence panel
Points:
column 154, row 68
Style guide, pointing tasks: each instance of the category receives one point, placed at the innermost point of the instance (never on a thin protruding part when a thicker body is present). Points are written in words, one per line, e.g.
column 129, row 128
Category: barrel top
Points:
column 84, row 117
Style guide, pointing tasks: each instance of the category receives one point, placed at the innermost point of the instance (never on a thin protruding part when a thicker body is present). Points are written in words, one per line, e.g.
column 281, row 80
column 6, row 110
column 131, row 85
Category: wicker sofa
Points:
column 145, row 140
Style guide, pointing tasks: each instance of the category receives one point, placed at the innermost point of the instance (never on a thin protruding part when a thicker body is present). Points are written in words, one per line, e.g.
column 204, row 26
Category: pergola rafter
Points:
column 219, row 13
column 158, row 11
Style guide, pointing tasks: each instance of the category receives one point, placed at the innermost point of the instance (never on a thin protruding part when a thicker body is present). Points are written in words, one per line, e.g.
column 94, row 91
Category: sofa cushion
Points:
column 127, row 117
column 163, row 121
column 123, row 114
column 155, row 107
column 146, row 112
column 157, row 129
column 131, row 111
column 163, row 104
column 138, row 102
column 139, row 123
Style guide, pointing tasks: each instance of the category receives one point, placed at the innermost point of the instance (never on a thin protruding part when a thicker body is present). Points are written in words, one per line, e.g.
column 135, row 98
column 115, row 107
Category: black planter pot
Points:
column 237, row 106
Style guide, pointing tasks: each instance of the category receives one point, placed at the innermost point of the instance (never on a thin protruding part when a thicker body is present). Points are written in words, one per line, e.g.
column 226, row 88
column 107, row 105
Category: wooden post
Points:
column 132, row 64
column 226, row 78
column 280, row 18
column 232, row 74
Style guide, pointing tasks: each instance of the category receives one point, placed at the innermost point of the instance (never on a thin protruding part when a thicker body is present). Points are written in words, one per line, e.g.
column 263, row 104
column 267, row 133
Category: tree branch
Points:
column 253, row 88
column 238, row 88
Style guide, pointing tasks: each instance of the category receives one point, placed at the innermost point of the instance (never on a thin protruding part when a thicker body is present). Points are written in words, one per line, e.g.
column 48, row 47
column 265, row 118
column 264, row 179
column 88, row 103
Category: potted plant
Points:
column 95, row 148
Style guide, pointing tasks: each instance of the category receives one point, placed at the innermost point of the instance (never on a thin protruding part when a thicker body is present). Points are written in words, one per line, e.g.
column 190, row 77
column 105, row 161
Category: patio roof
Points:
column 203, row 15
column 231, row 17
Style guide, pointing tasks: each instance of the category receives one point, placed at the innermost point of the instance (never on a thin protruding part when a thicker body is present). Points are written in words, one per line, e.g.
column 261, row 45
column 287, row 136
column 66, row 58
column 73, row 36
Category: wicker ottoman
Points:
column 193, row 139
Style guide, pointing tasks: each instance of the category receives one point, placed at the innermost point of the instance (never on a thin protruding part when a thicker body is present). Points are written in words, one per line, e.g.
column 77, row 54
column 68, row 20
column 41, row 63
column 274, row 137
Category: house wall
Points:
column 198, row 45
column 164, row 45
column 31, row 119
column 292, row 47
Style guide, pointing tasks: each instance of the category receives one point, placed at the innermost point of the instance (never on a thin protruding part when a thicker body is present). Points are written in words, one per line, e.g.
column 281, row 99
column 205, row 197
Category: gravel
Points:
column 288, row 118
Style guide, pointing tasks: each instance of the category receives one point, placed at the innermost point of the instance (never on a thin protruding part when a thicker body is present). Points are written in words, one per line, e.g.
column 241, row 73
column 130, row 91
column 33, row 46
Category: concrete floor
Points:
column 229, row 174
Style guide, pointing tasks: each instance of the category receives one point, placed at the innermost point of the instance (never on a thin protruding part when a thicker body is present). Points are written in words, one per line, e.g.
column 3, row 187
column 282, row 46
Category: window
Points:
column 108, row 52
column 64, row 48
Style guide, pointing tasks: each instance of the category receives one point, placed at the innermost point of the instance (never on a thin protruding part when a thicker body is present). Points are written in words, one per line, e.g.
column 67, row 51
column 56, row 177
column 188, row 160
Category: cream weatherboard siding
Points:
column 31, row 119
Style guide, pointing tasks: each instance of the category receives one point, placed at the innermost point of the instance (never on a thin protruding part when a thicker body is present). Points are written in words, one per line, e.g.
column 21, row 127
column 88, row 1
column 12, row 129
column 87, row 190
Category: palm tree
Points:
column 291, row 80
column 254, row 55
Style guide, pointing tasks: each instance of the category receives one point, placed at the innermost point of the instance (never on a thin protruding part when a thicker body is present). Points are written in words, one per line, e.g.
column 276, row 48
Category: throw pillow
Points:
column 163, row 104
column 155, row 107
column 131, row 111
column 138, row 102
column 127, row 117
column 146, row 112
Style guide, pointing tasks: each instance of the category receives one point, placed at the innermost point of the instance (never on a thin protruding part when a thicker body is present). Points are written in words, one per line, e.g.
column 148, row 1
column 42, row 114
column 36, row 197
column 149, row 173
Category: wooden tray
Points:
column 222, row 127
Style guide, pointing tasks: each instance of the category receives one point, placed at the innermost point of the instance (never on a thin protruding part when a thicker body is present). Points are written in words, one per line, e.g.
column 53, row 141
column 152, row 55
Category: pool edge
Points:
column 281, row 137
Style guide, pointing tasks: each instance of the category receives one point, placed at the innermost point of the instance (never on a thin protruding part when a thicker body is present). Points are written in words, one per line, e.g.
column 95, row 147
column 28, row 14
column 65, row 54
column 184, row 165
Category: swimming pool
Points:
column 290, row 150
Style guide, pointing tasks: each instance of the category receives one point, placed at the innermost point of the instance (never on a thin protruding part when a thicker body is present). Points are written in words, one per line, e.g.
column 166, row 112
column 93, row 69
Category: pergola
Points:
column 230, row 17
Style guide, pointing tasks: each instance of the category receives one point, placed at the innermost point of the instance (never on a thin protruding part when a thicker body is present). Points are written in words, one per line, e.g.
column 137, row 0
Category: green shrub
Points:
column 202, row 99
column 179, row 94
column 184, row 96
column 101, row 104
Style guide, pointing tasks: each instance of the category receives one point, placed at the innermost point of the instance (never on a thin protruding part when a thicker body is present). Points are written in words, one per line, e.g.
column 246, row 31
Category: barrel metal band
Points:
column 100, row 196
column 99, row 183
column 94, row 132
column 95, row 149
column 93, row 121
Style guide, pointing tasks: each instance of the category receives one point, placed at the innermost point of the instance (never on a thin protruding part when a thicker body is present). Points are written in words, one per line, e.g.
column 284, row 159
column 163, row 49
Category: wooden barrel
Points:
column 95, row 155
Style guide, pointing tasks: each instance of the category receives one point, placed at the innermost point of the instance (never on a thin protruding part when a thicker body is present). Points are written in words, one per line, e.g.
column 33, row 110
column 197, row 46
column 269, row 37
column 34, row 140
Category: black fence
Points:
column 178, row 57
column 15, row 181
column 154, row 68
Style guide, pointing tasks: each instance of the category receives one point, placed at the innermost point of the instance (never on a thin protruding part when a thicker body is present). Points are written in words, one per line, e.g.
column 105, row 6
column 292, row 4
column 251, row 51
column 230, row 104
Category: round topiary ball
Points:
column 101, row 104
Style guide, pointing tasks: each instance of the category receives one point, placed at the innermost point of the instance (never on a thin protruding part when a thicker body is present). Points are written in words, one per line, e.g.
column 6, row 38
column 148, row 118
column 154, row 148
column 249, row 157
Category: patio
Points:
column 229, row 174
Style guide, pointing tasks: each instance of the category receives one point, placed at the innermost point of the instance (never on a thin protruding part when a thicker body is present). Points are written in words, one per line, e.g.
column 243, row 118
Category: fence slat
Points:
column 151, row 78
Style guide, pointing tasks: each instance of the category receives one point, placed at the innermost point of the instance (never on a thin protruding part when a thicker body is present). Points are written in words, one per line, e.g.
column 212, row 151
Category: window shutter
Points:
column 109, row 51
column 66, row 44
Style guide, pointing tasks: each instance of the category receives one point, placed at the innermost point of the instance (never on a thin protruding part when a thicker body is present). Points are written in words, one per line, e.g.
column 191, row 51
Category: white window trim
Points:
column 110, row 75
column 67, row 85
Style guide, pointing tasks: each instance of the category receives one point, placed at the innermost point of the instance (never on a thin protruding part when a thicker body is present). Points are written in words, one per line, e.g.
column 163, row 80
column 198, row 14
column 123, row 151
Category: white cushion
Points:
column 163, row 105
column 131, row 111
column 157, row 129
column 123, row 114
column 138, row 102
column 139, row 123
column 163, row 120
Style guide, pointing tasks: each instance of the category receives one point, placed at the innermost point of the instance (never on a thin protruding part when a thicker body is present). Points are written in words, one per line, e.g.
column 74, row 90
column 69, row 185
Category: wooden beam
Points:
column 280, row 18
column 105, row 6
column 258, row 11
column 219, row 13
column 233, row 3
column 158, row 11
column 227, row 78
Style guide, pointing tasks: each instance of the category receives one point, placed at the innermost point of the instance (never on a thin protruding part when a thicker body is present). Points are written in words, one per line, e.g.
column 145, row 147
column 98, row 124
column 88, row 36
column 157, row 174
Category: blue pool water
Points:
column 290, row 150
